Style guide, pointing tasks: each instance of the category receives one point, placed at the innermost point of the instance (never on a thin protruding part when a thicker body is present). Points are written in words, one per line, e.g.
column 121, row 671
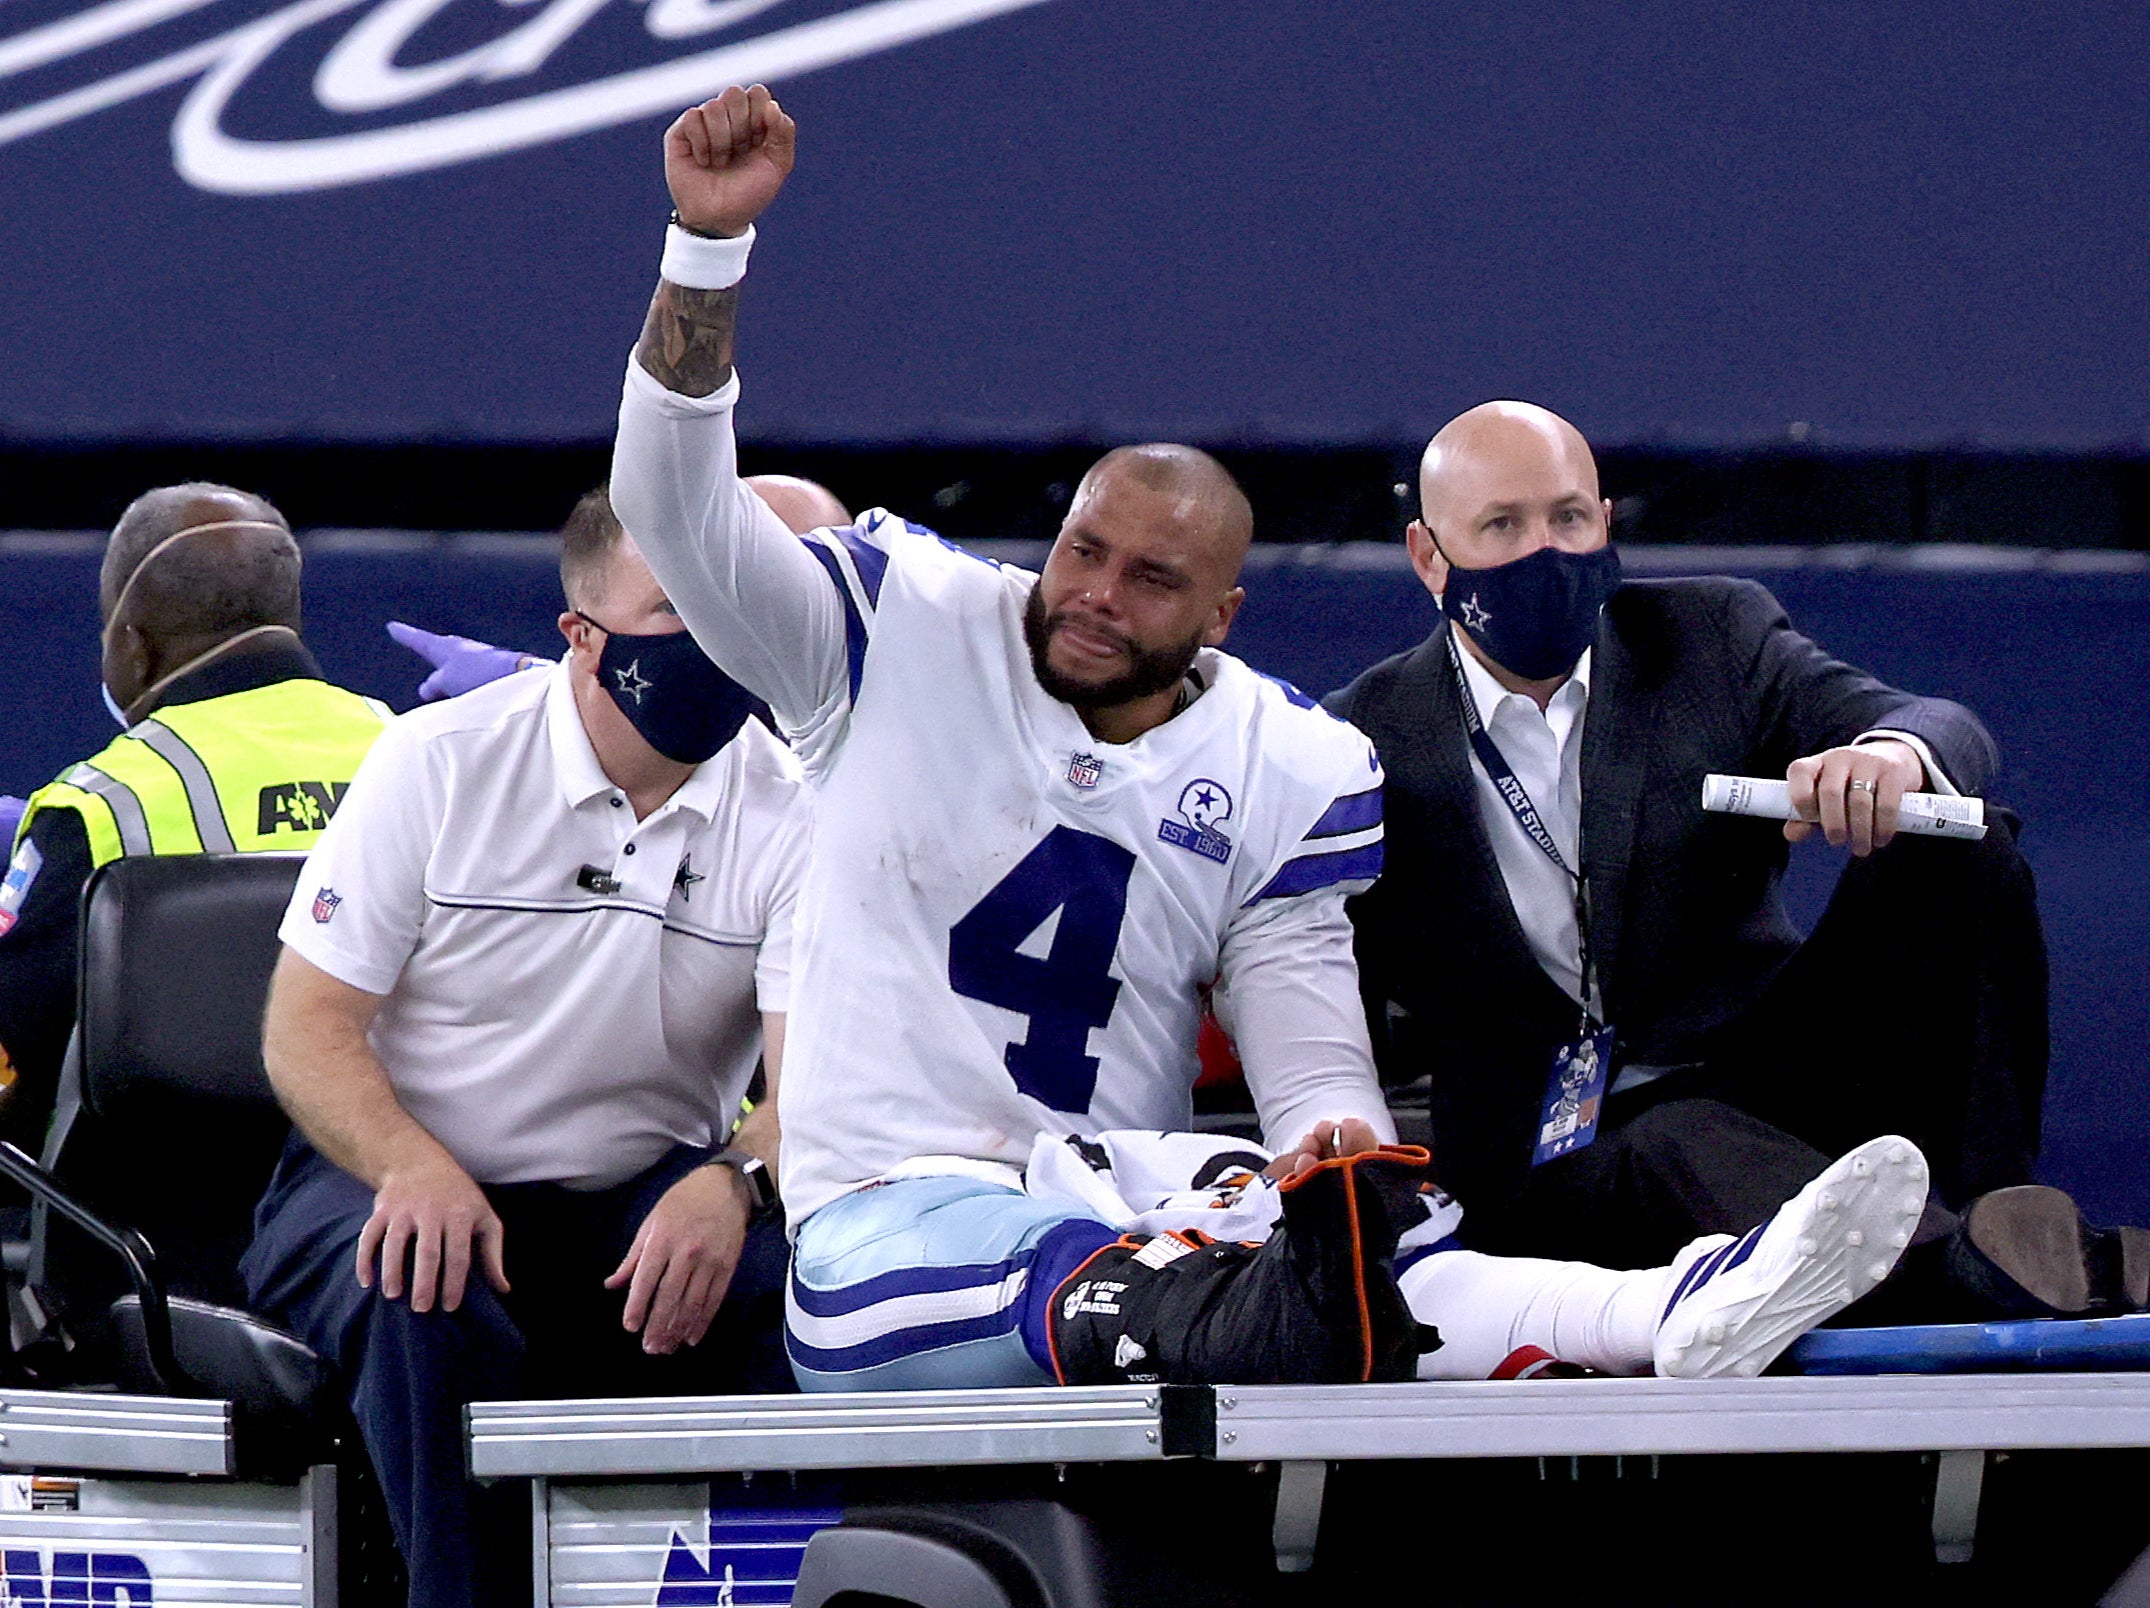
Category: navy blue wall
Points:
column 2057, row 662
column 1680, row 221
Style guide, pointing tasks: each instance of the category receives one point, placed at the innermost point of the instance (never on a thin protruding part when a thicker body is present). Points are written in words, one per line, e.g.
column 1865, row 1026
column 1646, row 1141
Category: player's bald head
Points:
column 803, row 505
column 237, row 566
column 1197, row 493
column 1513, row 451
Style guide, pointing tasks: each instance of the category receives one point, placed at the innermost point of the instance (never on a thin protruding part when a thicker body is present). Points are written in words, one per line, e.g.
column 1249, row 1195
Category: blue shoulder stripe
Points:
column 872, row 562
column 854, row 623
column 1354, row 812
column 1312, row 871
column 1292, row 695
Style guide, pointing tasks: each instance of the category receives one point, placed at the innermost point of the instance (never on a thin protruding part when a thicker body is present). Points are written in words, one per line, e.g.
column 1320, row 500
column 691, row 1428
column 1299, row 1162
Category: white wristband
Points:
column 696, row 262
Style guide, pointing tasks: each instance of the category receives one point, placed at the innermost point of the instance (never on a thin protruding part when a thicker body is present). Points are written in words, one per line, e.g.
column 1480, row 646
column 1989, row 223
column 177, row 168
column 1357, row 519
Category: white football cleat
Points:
column 1736, row 1304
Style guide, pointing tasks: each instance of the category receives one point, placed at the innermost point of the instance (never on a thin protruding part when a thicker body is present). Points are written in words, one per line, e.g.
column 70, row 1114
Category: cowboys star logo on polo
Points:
column 1204, row 807
column 685, row 878
column 632, row 681
column 1474, row 613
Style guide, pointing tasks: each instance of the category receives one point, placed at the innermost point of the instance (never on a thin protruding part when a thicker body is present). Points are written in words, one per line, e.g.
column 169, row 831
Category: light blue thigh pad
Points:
column 916, row 1285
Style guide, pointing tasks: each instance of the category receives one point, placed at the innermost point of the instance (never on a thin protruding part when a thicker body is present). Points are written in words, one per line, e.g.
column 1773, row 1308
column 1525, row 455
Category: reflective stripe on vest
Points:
column 256, row 770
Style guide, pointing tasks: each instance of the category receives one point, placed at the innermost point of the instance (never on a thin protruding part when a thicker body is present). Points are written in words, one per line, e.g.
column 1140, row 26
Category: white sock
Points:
column 1488, row 1307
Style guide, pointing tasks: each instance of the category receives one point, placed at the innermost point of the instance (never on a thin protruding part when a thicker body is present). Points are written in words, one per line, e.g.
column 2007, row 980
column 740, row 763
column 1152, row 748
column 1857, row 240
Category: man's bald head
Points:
column 803, row 505
column 240, row 572
column 1206, row 497
column 1502, row 450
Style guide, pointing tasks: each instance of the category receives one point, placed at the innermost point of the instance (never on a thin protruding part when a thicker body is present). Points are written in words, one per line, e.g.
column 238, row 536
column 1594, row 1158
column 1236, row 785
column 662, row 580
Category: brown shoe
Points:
column 2023, row 1249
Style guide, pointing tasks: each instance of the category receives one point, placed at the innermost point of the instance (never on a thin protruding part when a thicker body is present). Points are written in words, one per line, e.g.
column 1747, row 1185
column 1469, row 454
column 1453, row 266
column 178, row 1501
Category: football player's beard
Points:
column 1150, row 670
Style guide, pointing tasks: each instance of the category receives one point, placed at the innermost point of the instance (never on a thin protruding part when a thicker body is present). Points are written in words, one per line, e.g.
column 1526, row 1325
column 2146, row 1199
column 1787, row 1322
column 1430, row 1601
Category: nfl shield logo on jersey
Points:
column 325, row 903
column 1084, row 770
column 1204, row 807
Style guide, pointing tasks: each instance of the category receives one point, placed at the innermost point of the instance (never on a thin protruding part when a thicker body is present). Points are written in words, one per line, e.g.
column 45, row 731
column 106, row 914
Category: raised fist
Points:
column 726, row 159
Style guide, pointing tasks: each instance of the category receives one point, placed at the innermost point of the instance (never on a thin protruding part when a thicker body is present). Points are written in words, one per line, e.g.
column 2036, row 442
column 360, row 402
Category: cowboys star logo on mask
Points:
column 1474, row 613
column 632, row 681
column 1204, row 807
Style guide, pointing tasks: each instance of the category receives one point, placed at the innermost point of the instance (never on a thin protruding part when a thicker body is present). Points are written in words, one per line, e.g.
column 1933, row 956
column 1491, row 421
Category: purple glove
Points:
column 459, row 664
column 11, row 809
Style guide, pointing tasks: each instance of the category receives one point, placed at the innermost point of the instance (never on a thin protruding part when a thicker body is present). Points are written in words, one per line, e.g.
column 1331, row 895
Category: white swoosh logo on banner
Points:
column 211, row 158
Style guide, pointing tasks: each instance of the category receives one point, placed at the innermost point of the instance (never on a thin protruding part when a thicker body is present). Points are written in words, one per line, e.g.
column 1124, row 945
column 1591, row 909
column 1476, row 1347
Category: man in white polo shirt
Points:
column 527, row 976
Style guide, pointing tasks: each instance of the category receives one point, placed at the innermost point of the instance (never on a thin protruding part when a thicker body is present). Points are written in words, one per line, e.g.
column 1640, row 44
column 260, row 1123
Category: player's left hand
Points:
column 681, row 1263
column 1325, row 1143
column 1854, row 793
column 725, row 159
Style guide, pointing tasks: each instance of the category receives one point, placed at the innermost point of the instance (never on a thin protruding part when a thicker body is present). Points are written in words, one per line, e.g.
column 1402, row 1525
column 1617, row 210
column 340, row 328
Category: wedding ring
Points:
column 1860, row 784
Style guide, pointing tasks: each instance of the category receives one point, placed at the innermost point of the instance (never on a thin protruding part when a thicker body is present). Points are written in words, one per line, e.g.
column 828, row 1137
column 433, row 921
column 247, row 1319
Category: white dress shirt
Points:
column 1545, row 750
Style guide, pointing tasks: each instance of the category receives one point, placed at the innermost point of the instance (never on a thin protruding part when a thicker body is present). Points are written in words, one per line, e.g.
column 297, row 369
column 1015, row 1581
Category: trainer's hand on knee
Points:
column 1854, row 793
column 681, row 1263
column 1328, row 1141
column 431, row 1212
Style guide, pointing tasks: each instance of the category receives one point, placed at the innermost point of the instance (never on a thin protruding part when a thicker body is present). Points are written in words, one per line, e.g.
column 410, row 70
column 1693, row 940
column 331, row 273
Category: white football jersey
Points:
column 1008, row 927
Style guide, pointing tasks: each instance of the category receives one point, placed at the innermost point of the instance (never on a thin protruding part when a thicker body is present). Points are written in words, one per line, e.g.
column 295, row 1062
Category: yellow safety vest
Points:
column 257, row 770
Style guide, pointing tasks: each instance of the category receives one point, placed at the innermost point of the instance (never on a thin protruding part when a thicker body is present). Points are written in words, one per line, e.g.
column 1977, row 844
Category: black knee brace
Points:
column 1316, row 1303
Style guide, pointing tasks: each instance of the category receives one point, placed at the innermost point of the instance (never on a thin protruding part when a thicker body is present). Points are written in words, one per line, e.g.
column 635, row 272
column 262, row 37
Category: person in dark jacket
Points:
column 1628, row 1042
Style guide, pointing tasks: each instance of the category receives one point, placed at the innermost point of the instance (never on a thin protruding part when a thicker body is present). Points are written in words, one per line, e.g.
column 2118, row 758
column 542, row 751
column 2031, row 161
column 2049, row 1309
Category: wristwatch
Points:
column 760, row 1182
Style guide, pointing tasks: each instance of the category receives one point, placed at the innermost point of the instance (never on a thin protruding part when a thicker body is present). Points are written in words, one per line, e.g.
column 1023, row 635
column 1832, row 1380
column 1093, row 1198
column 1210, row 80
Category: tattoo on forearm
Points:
column 687, row 338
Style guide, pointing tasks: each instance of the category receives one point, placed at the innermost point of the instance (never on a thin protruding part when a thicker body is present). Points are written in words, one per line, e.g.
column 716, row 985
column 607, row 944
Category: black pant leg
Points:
column 1662, row 1174
column 579, row 1344
column 1917, row 1006
column 407, row 1374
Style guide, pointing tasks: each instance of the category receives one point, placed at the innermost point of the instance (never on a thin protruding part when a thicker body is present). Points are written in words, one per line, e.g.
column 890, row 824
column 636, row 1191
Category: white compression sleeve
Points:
column 1486, row 1307
column 1291, row 1002
column 754, row 599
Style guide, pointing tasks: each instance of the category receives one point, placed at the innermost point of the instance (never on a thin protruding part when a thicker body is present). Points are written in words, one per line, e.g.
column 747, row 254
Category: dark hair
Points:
column 587, row 542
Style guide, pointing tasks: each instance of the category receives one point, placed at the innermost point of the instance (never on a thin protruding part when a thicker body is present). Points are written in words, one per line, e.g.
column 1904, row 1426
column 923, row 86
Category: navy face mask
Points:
column 672, row 693
column 1534, row 615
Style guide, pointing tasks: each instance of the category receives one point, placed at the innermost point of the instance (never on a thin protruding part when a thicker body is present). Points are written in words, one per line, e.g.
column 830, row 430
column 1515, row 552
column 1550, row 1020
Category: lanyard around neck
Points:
column 1513, row 794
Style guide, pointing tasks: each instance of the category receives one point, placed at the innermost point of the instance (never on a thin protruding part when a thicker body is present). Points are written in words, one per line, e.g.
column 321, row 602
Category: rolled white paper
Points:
column 1923, row 814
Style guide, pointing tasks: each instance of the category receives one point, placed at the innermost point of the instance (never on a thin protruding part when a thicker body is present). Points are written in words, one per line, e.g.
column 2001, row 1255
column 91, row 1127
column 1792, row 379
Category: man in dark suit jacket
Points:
column 1552, row 883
